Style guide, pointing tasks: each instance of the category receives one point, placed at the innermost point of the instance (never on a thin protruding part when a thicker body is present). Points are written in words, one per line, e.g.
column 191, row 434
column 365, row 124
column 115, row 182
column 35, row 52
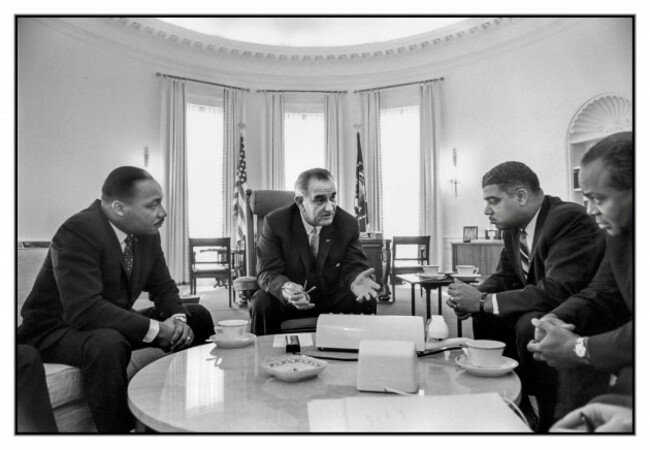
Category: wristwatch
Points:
column 481, row 302
column 581, row 351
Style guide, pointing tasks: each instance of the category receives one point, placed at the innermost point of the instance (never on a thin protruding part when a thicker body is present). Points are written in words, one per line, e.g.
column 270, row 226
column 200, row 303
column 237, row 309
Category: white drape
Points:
column 175, row 150
column 430, row 201
column 334, row 135
column 233, row 107
column 372, row 157
column 273, row 158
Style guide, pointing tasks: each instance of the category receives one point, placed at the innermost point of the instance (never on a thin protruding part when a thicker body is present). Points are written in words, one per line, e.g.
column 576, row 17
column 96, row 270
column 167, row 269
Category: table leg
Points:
column 428, row 303
column 440, row 300
column 412, row 299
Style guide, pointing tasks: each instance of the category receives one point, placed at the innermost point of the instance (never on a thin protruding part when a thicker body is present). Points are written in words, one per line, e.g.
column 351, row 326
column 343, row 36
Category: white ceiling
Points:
column 312, row 31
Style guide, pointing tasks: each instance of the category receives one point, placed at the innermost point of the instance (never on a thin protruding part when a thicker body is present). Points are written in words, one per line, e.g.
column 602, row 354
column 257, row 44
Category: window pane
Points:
column 304, row 144
column 400, row 162
column 205, row 170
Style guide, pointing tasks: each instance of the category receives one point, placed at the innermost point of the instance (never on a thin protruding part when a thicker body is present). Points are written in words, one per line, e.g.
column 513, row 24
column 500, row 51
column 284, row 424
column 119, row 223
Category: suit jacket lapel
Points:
column 541, row 218
column 114, row 244
column 324, row 245
column 298, row 230
column 137, row 263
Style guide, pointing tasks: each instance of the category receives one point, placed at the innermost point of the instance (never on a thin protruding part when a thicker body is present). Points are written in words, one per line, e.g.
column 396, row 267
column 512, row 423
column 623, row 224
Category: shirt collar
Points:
column 309, row 228
column 530, row 228
column 121, row 235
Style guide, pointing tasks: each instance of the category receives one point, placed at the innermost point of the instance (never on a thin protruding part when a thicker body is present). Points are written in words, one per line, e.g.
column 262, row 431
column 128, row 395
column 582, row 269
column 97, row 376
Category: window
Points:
column 304, row 141
column 400, row 162
column 204, row 125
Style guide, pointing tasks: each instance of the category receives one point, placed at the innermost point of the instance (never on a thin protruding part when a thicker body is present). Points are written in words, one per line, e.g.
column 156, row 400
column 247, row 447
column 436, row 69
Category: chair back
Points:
column 206, row 252
column 259, row 204
column 421, row 244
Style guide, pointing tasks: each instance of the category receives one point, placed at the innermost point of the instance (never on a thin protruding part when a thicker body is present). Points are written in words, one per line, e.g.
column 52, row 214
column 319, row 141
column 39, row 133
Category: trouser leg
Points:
column 102, row 355
column 33, row 407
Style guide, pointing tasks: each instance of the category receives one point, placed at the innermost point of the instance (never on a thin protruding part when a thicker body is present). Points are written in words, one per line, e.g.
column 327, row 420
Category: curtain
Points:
column 430, row 200
column 372, row 157
column 174, row 147
column 233, row 108
column 273, row 158
column 334, row 136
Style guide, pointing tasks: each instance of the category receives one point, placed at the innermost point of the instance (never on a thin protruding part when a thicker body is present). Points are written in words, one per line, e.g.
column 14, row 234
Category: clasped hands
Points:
column 174, row 335
column 463, row 299
column 554, row 342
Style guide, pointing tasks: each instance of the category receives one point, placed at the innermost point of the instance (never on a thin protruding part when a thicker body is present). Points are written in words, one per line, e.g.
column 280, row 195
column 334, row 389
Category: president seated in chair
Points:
column 309, row 259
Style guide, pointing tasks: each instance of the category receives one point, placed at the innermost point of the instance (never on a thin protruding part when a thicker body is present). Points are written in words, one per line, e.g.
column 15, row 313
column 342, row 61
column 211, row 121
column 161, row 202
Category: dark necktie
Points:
column 128, row 254
column 525, row 254
column 313, row 242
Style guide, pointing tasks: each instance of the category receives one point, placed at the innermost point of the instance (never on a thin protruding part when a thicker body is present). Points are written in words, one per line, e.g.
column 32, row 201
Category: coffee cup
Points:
column 485, row 353
column 466, row 270
column 431, row 270
column 231, row 330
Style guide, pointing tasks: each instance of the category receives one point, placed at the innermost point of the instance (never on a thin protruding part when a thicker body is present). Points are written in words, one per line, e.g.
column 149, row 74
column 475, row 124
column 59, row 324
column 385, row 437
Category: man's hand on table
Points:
column 364, row 287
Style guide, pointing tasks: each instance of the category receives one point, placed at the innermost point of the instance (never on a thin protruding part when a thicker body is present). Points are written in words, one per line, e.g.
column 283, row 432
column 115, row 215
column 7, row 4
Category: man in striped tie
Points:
column 552, row 250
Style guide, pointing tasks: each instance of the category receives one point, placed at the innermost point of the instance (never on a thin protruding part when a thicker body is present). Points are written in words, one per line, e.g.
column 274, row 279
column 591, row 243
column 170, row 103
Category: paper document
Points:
column 386, row 413
column 279, row 340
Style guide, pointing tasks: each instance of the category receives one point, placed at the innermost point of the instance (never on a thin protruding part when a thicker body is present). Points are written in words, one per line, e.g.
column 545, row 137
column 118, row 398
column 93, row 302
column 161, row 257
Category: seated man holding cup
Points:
column 552, row 250
column 310, row 260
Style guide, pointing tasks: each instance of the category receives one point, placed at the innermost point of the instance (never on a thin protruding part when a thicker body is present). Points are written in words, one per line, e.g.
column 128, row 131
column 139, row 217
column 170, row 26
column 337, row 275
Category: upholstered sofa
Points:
column 69, row 405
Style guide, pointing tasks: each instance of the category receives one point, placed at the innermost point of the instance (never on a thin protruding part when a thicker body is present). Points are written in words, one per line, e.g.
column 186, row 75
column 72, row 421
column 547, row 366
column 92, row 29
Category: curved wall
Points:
column 89, row 100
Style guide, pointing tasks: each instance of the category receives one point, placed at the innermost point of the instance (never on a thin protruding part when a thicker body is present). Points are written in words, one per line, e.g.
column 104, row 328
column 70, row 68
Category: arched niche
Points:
column 599, row 117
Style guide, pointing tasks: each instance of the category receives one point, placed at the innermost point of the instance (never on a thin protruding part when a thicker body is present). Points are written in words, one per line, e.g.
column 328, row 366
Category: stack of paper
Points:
column 394, row 414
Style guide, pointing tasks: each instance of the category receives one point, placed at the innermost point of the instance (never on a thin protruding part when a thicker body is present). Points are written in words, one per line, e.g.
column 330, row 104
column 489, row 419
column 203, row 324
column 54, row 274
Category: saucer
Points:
column 220, row 342
column 438, row 277
column 471, row 277
column 294, row 367
column 507, row 364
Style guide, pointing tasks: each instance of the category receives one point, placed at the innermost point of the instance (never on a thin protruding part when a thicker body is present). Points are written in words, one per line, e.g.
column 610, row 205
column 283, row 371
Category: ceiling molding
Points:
column 212, row 46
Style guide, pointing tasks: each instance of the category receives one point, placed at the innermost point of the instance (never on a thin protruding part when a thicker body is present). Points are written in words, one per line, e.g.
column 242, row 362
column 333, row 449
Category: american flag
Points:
column 360, row 204
column 239, row 197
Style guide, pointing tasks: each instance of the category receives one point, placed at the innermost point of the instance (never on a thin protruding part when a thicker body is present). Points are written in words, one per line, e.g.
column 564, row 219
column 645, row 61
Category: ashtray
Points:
column 294, row 367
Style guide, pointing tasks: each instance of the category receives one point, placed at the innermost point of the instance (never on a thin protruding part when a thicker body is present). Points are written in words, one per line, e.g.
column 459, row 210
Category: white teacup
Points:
column 466, row 270
column 485, row 353
column 231, row 330
column 431, row 270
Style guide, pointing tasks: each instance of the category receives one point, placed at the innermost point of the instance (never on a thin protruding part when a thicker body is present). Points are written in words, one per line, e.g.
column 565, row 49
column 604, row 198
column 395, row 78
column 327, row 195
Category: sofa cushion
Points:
column 64, row 381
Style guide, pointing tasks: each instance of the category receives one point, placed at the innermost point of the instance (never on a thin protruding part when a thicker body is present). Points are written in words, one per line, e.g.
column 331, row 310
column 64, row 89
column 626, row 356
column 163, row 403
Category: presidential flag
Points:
column 360, row 205
column 239, row 197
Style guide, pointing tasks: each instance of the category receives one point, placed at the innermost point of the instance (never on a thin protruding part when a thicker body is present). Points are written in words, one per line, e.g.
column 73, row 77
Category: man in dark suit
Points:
column 552, row 250
column 79, row 311
column 309, row 259
column 595, row 327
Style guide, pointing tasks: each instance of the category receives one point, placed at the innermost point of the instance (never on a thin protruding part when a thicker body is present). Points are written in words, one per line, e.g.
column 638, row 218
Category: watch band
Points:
column 481, row 302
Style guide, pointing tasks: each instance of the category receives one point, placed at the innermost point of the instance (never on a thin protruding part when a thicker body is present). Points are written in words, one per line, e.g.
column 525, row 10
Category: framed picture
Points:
column 470, row 233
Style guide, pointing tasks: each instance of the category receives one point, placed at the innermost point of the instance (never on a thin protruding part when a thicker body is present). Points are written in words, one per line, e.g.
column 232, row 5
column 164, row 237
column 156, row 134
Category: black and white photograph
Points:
column 354, row 224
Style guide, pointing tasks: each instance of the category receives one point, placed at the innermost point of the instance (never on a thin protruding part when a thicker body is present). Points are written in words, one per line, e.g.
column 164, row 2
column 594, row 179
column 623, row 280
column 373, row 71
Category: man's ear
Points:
column 298, row 199
column 522, row 196
column 118, row 207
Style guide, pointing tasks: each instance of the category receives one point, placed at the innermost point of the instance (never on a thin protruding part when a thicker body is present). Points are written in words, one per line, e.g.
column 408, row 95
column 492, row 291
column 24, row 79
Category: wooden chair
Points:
column 420, row 258
column 211, row 258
